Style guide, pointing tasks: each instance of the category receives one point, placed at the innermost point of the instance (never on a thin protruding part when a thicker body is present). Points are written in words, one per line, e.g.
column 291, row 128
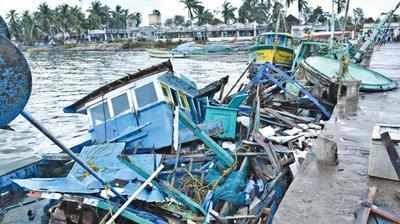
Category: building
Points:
column 391, row 26
column 106, row 34
column 155, row 18
column 221, row 32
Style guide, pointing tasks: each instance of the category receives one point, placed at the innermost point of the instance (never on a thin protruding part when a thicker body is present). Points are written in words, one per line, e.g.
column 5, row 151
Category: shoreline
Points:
column 104, row 46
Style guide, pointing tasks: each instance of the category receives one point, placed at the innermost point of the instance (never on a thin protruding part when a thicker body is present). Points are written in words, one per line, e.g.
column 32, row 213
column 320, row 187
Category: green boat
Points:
column 327, row 68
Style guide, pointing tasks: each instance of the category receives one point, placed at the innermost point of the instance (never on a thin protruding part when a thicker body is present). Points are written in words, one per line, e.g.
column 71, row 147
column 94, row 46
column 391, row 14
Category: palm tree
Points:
column 301, row 4
column 191, row 6
column 118, row 18
column 358, row 15
column 99, row 15
column 204, row 16
column 254, row 11
column 137, row 17
column 44, row 18
column 78, row 20
column 228, row 12
column 13, row 24
column 29, row 28
column 63, row 18
column 341, row 4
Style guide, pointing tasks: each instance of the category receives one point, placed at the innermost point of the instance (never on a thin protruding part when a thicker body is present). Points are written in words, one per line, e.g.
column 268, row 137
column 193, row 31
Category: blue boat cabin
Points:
column 140, row 112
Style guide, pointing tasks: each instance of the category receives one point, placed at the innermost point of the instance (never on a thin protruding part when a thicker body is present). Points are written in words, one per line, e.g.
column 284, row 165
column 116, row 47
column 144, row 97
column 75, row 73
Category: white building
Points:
column 370, row 26
column 221, row 32
column 155, row 18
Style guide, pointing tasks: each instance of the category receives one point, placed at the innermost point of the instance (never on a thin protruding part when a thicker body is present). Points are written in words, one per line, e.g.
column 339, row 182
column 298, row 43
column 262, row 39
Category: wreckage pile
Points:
column 221, row 162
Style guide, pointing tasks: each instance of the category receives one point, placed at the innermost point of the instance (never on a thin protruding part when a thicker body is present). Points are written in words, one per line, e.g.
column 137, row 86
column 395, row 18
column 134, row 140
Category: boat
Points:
column 215, row 48
column 275, row 48
column 326, row 68
column 157, row 119
column 156, row 53
column 162, row 150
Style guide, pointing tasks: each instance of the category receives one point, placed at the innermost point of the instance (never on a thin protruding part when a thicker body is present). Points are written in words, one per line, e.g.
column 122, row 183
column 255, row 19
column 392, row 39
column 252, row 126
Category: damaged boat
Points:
column 169, row 152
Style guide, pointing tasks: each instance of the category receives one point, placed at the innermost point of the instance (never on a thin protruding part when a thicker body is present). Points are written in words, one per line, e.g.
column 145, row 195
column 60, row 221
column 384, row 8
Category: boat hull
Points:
column 164, row 54
column 371, row 81
column 275, row 55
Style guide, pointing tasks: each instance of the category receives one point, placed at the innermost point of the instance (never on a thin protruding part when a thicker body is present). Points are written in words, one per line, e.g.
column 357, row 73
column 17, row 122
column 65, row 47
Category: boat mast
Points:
column 375, row 33
column 332, row 25
column 345, row 19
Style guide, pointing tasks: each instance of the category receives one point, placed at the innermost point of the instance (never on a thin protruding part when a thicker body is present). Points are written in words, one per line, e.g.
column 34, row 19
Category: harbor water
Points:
column 62, row 77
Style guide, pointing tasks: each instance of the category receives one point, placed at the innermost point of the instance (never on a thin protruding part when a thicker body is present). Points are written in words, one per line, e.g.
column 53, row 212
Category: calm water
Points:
column 60, row 78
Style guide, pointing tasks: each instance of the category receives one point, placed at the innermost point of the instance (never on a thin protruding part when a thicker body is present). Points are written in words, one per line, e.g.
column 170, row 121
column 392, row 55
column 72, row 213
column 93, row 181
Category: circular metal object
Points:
column 15, row 81
column 4, row 28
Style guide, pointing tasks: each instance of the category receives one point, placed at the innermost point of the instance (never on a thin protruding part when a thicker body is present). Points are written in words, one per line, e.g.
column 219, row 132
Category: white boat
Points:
column 154, row 53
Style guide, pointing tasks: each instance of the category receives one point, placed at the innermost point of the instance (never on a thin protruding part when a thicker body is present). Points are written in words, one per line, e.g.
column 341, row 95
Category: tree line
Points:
column 44, row 23
column 260, row 11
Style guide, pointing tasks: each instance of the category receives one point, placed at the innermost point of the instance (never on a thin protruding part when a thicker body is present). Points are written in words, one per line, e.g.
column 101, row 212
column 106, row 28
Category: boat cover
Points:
column 104, row 160
column 370, row 80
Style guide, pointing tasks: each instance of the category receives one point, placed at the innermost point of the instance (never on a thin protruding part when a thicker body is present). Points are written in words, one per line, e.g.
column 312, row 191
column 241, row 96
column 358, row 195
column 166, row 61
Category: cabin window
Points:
column 175, row 97
column 282, row 41
column 166, row 93
column 184, row 101
column 269, row 40
column 146, row 95
column 120, row 104
column 100, row 113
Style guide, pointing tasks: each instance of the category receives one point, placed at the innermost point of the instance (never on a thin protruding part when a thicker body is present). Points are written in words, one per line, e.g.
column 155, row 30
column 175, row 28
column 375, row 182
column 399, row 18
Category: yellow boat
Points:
column 275, row 48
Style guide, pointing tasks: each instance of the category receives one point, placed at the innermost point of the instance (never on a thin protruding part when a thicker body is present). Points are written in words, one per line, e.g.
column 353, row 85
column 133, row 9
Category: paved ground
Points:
column 323, row 194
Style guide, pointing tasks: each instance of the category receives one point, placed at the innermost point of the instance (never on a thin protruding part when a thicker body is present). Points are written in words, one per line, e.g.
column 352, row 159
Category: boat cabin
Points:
column 276, row 48
column 278, row 39
column 138, row 109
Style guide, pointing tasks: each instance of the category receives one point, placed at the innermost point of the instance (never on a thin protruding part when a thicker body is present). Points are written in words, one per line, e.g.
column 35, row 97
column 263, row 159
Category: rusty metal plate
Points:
column 15, row 81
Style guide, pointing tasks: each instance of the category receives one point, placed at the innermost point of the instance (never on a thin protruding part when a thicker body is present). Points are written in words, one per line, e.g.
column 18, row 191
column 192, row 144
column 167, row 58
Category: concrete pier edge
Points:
column 322, row 193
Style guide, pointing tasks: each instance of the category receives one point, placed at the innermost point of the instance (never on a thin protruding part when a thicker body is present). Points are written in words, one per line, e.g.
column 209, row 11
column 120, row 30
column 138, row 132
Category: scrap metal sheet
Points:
column 104, row 160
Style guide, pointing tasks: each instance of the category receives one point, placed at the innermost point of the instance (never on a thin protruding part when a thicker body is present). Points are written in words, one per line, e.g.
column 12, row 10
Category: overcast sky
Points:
column 169, row 8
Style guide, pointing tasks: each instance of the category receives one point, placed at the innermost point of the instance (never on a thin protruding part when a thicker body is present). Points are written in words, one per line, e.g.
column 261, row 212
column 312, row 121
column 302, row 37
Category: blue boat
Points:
column 138, row 109
column 154, row 153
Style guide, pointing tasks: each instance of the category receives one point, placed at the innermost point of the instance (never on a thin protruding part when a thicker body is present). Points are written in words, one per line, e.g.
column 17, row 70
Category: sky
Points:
column 169, row 8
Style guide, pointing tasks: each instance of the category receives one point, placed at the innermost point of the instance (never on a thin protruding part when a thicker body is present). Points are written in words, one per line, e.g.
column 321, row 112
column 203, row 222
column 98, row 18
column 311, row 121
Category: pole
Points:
column 375, row 33
column 345, row 19
column 52, row 138
column 332, row 25
column 175, row 143
column 135, row 194
column 237, row 81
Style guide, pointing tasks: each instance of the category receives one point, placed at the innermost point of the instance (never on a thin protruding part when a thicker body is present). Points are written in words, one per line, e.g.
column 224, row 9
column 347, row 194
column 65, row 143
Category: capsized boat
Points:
column 156, row 53
column 327, row 68
column 275, row 48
